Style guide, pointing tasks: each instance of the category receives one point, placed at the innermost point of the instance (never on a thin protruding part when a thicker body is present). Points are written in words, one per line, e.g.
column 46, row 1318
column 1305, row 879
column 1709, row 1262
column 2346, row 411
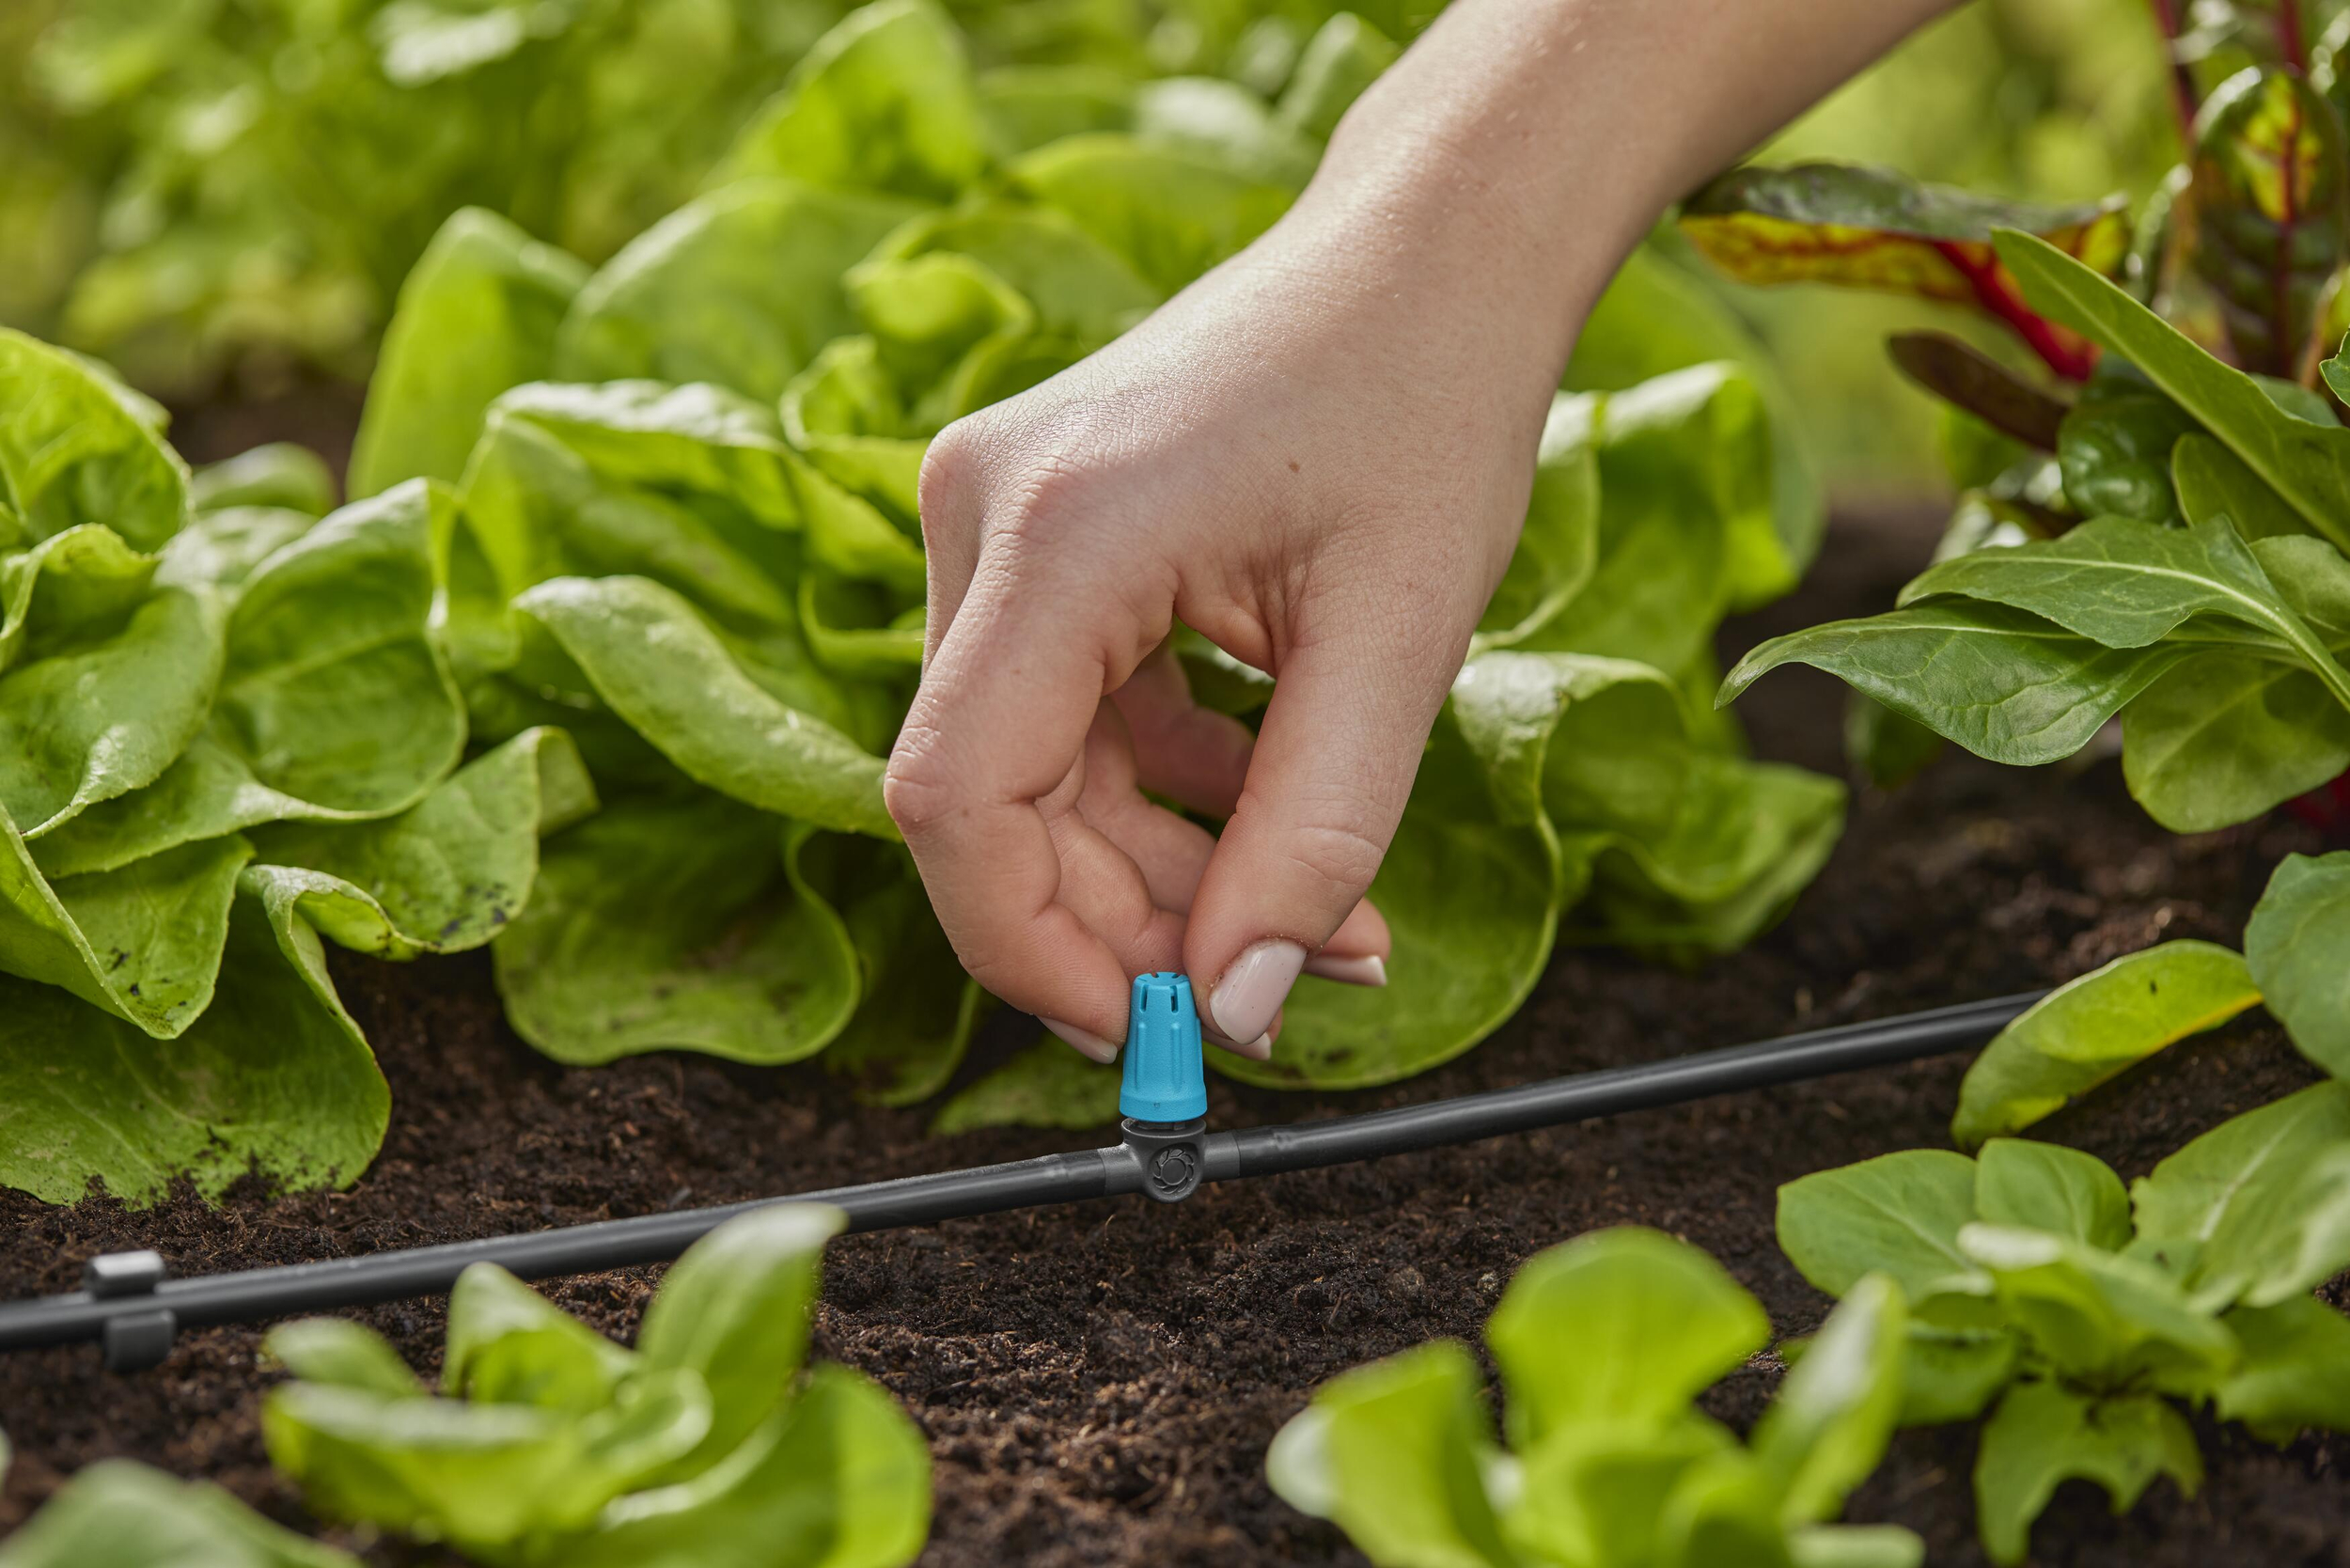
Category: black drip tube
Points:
column 131, row 1307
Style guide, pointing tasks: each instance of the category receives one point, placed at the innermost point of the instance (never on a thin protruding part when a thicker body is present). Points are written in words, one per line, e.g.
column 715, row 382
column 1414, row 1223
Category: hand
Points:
column 1323, row 484
column 1318, row 457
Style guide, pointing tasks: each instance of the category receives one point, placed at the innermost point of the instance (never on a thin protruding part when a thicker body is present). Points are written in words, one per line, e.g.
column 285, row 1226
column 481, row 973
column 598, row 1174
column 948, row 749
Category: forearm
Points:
column 1521, row 147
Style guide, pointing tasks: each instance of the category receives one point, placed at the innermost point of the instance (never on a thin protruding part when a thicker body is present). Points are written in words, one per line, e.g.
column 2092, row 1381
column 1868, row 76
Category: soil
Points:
column 1099, row 1381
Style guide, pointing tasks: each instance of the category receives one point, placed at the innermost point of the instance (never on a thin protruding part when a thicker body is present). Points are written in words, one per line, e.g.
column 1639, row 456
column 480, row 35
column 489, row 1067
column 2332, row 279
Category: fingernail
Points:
column 1253, row 986
column 1091, row 1044
column 1370, row 971
column 1259, row 1049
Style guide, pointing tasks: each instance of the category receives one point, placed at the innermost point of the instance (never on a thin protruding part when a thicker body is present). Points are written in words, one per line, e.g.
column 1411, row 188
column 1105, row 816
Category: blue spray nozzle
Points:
column 1164, row 1078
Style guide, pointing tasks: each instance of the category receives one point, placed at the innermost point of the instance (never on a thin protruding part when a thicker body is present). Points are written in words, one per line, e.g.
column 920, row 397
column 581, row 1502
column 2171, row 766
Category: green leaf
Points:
column 2297, row 943
column 1657, row 317
column 917, row 1008
column 1864, row 227
column 2116, row 447
column 107, row 711
column 1827, row 1427
column 2212, row 481
column 2104, row 1320
column 740, row 288
column 1344, row 56
column 221, row 549
column 1078, row 287
column 69, row 589
column 345, row 1353
column 142, row 942
column 1170, row 213
column 1558, row 548
column 2307, row 464
column 1889, row 748
column 2003, row 683
column 275, row 1076
column 75, row 448
column 735, row 1310
column 1899, row 1215
column 2295, row 1372
column 2089, row 1030
column 699, row 439
column 1047, row 1085
column 1224, row 121
column 884, row 101
column 1659, row 1322
column 2043, row 1186
column 845, row 412
column 279, row 475
column 661, row 667
column 675, row 924
column 2269, row 193
column 333, row 702
column 1952, row 1374
column 477, row 314
column 2044, row 1434
column 444, row 875
column 840, row 1478
column 476, row 1476
column 1856, row 1547
column 1471, row 887
column 119, row 1514
column 1395, row 1453
column 2227, row 736
column 2258, row 1209
column 508, row 1344
column 1601, row 1493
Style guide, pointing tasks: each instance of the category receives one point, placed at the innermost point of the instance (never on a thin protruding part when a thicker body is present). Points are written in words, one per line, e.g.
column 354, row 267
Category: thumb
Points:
column 1333, row 766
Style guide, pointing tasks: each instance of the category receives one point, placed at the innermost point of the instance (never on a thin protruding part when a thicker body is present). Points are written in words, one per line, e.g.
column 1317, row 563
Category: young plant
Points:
column 708, row 1445
column 2082, row 1316
column 120, row 1515
column 1602, row 1344
column 2296, row 959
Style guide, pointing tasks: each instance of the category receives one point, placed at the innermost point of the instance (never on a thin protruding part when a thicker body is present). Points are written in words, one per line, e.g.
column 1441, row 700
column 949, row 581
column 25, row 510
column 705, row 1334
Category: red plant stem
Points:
column 2288, row 218
column 2289, row 37
column 2067, row 355
column 2181, row 80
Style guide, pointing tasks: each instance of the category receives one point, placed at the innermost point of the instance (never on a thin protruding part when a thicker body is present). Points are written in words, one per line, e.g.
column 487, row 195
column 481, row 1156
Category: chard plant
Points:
column 599, row 662
column 1602, row 1345
column 2082, row 1316
column 710, row 1444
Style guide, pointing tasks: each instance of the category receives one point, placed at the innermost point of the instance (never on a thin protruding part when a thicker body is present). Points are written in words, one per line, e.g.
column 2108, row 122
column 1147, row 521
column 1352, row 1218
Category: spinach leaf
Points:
column 2306, row 463
column 2298, row 944
column 2091, row 1029
column 1046, row 1085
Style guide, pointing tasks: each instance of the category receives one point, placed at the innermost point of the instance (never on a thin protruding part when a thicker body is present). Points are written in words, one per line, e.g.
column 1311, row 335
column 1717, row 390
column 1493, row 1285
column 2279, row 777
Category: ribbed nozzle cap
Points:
column 1165, row 1079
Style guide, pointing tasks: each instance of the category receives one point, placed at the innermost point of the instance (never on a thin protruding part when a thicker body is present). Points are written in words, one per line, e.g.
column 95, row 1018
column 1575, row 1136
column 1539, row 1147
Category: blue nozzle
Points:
column 1165, row 1079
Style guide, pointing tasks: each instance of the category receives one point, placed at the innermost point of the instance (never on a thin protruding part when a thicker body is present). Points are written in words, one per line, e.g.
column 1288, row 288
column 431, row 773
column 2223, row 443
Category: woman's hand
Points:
column 1318, row 457
column 1323, row 486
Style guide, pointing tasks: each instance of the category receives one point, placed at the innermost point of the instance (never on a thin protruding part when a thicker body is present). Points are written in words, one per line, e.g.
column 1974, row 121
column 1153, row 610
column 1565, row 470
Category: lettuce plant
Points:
column 1602, row 1344
column 120, row 1515
column 709, row 1444
column 2081, row 1315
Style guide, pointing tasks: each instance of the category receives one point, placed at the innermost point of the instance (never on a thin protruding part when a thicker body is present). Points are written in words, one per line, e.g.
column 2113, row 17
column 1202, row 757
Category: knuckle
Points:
column 918, row 790
column 950, row 481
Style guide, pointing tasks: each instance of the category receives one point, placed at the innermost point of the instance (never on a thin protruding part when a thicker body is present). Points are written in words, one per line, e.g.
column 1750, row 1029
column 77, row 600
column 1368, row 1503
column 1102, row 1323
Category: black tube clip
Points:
column 132, row 1341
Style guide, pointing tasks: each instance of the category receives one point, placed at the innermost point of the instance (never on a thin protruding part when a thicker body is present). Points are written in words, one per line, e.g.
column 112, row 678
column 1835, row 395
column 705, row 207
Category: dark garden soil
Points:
column 1099, row 1381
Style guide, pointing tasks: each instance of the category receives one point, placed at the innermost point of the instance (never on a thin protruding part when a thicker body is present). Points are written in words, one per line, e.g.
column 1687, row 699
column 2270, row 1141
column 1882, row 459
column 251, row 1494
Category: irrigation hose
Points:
column 131, row 1305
